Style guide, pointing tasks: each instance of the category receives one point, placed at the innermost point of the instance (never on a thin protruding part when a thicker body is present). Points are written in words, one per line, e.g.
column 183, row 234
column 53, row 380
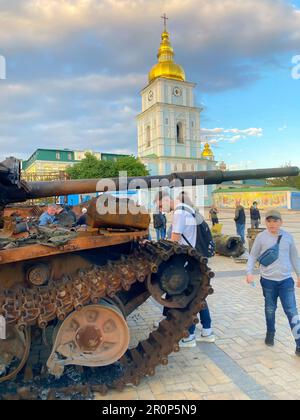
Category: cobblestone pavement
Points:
column 238, row 366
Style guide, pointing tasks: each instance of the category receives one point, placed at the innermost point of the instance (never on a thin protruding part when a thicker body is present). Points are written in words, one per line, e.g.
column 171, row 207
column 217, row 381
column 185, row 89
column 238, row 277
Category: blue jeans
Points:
column 161, row 233
column 285, row 290
column 205, row 319
column 240, row 230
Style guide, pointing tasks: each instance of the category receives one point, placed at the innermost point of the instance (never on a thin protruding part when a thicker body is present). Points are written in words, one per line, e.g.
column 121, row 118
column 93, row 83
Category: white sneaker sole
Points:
column 210, row 340
column 187, row 345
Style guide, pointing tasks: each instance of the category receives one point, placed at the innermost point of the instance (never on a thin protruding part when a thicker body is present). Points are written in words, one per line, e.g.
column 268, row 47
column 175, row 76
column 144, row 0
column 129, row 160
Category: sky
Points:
column 75, row 69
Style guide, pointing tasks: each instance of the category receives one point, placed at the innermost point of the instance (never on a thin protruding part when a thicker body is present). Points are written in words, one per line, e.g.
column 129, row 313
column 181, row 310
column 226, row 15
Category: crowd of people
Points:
column 160, row 219
column 274, row 250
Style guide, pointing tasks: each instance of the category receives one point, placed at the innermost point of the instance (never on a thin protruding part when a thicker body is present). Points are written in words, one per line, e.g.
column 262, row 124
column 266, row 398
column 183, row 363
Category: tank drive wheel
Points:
column 14, row 352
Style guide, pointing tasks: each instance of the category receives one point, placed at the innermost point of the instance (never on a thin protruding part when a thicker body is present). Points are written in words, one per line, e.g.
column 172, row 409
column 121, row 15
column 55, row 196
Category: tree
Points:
column 288, row 181
column 91, row 167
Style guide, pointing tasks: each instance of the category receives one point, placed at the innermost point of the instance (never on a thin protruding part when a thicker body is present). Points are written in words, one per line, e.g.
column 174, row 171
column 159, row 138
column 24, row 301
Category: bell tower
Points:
column 169, row 125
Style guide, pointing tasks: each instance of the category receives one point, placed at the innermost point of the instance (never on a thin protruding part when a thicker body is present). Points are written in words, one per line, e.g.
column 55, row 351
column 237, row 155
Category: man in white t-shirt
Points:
column 184, row 232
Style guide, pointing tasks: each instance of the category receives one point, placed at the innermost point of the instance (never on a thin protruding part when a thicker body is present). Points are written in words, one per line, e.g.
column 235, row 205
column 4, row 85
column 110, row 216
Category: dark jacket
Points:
column 159, row 221
column 82, row 220
column 254, row 213
column 213, row 213
column 240, row 215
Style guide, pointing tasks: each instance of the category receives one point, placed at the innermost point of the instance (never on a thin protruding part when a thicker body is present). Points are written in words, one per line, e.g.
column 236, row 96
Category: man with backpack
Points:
column 189, row 228
column 160, row 224
column 277, row 254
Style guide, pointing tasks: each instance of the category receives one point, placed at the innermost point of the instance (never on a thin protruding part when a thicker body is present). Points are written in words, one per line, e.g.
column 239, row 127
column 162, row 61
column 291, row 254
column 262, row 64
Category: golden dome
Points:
column 207, row 152
column 166, row 67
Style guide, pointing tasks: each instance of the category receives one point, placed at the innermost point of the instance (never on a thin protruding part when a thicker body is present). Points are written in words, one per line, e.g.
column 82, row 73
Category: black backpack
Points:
column 204, row 242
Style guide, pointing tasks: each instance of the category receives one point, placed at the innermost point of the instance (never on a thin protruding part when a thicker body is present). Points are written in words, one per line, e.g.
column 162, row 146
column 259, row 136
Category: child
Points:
column 276, row 274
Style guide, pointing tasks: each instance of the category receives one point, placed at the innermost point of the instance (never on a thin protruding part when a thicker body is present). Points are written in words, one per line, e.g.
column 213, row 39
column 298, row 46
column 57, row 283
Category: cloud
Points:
column 222, row 44
column 241, row 165
column 71, row 113
column 75, row 67
column 285, row 127
column 232, row 135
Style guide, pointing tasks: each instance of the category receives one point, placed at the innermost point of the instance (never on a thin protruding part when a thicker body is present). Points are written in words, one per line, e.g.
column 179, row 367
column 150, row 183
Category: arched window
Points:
column 148, row 136
column 179, row 130
column 184, row 167
column 175, row 168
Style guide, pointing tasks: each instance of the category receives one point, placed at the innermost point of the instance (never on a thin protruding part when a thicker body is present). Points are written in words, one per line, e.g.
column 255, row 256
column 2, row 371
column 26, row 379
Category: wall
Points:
column 265, row 199
column 295, row 200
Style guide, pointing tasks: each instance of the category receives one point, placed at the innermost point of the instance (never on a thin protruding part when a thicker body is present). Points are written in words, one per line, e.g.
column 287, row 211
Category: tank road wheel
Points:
column 14, row 352
column 98, row 335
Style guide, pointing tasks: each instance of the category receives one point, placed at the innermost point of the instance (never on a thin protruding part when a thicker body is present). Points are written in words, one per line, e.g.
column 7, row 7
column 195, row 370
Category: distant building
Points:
column 51, row 164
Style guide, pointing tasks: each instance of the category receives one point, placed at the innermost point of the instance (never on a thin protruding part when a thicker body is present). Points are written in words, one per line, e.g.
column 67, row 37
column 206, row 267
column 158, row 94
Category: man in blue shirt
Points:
column 49, row 216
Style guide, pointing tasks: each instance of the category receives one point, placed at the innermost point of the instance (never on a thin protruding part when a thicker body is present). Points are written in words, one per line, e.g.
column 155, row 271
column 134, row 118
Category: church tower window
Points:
column 180, row 137
column 148, row 136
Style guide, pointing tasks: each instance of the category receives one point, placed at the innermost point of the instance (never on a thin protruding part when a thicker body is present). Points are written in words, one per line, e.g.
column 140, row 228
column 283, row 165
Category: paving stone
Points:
column 192, row 395
column 173, row 396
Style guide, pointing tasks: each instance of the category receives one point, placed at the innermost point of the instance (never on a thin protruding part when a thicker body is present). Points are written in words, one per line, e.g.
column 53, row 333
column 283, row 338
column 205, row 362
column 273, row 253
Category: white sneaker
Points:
column 206, row 339
column 188, row 342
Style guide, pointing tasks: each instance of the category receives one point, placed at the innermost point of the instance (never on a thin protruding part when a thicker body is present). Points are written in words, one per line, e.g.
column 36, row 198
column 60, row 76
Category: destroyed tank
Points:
column 76, row 289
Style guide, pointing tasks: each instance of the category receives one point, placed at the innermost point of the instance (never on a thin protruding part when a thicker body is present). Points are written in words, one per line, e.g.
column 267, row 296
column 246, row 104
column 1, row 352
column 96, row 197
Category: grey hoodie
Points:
column 287, row 262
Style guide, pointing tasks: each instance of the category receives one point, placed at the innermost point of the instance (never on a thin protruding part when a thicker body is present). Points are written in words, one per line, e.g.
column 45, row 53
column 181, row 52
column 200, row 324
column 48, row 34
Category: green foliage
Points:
column 91, row 167
column 290, row 181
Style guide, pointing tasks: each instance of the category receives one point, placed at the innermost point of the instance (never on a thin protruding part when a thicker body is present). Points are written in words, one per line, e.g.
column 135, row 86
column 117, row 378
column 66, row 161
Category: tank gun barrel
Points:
column 13, row 190
column 47, row 189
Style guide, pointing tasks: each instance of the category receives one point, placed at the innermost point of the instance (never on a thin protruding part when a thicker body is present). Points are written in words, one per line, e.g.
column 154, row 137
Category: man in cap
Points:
column 276, row 268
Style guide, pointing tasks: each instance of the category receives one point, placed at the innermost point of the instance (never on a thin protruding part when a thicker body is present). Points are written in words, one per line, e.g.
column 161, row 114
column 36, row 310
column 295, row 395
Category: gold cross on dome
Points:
column 165, row 18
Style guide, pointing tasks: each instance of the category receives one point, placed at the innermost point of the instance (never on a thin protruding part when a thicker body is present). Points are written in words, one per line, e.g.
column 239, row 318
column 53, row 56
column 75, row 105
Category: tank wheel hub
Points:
column 98, row 335
column 175, row 279
column 176, row 283
column 89, row 338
